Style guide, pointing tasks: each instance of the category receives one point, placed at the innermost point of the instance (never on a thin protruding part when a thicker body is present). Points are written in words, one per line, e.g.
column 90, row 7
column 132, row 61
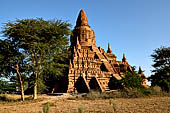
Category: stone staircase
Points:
column 107, row 89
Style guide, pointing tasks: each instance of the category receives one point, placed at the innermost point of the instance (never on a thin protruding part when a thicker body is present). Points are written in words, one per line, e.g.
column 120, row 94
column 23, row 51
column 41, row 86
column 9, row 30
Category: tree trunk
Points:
column 35, row 86
column 20, row 82
column 36, row 60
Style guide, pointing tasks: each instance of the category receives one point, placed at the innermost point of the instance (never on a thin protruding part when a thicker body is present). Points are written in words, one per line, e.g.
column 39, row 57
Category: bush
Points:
column 125, row 93
column 114, row 105
column 131, row 93
column 145, row 91
column 156, row 90
column 80, row 109
column 132, row 80
column 104, row 95
column 165, row 85
column 92, row 95
column 46, row 107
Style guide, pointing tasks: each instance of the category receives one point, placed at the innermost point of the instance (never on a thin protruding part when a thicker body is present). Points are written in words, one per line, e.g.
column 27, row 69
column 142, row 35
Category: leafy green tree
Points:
column 132, row 80
column 161, row 72
column 11, row 62
column 39, row 40
column 56, row 69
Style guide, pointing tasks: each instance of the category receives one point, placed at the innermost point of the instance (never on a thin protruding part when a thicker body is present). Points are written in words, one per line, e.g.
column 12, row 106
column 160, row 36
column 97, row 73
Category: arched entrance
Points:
column 94, row 84
column 114, row 84
column 81, row 85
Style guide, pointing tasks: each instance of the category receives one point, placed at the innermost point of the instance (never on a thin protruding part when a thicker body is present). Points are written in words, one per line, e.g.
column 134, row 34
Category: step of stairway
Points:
column 107, row 89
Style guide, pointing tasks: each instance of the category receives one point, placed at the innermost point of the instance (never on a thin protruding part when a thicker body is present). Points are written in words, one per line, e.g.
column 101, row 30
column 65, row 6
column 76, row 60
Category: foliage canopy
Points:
column 161, row 72
column 131, row 80
column 42, row 43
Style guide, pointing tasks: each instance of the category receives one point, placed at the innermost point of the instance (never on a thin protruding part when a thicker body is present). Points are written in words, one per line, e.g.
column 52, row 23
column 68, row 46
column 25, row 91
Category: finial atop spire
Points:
column 140, row 70
column 109, row 49
column 82, row 19
column 124, row 58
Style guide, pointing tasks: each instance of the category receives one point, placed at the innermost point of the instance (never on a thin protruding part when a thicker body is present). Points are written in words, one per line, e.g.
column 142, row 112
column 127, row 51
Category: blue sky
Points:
column 133, row 27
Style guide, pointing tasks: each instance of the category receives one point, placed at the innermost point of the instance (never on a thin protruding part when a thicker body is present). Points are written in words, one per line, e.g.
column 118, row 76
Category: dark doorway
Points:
column 103, row 67
column 114, row 84
column 60, row 85
column 94, row 84
column 81, row 85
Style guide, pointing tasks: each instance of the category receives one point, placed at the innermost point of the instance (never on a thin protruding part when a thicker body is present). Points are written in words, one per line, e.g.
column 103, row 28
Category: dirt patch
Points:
column 62, row 105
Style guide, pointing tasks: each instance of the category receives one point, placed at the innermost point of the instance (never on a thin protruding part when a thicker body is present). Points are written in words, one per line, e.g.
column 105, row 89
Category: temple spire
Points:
column 109, row 49
column 82, row 19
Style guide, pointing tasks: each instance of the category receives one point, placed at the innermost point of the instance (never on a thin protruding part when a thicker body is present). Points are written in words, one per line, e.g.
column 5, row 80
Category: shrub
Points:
column 80, row 109
column 131, row 93
column 165, row 85
column 92, row 95
column 46, row 107
column 156, row 90
column 145, row 91
column 98, row 95
column 114, row 105
column 132, row 80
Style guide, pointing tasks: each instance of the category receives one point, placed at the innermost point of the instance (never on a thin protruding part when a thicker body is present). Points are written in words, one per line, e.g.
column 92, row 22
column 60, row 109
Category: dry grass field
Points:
column 64, row 105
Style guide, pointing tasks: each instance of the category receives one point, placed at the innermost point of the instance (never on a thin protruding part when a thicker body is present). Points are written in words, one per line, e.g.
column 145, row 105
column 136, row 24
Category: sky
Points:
column 133, row 27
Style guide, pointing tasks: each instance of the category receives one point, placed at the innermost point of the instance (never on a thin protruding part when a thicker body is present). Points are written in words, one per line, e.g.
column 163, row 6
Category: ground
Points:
column 64, row 105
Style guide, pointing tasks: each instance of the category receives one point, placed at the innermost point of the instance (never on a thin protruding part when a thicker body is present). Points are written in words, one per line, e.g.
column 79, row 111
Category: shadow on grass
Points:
column 10, row 98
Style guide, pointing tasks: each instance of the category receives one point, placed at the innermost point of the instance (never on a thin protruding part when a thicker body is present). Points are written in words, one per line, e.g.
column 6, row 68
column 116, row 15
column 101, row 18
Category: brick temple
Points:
column 91, row 68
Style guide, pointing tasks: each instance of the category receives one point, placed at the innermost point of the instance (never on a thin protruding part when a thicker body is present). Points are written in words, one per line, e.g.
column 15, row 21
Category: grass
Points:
column 16, row 99
column 9, row 98
column 126, row 93
column 93, row 95
column 123, row 105
column 113, row 104
column 91, row 102
column 80, row 108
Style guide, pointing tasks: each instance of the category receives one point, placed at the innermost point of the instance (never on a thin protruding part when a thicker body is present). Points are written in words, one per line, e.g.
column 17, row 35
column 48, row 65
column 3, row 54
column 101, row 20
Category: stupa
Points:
column 91, row 68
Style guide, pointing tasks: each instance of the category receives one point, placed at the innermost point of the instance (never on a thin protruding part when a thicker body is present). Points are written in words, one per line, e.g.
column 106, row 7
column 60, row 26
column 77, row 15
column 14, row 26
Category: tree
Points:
column 161, row 72
column 11, row 62
column 56, row 70
column 132, row 80
column 39, row 40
